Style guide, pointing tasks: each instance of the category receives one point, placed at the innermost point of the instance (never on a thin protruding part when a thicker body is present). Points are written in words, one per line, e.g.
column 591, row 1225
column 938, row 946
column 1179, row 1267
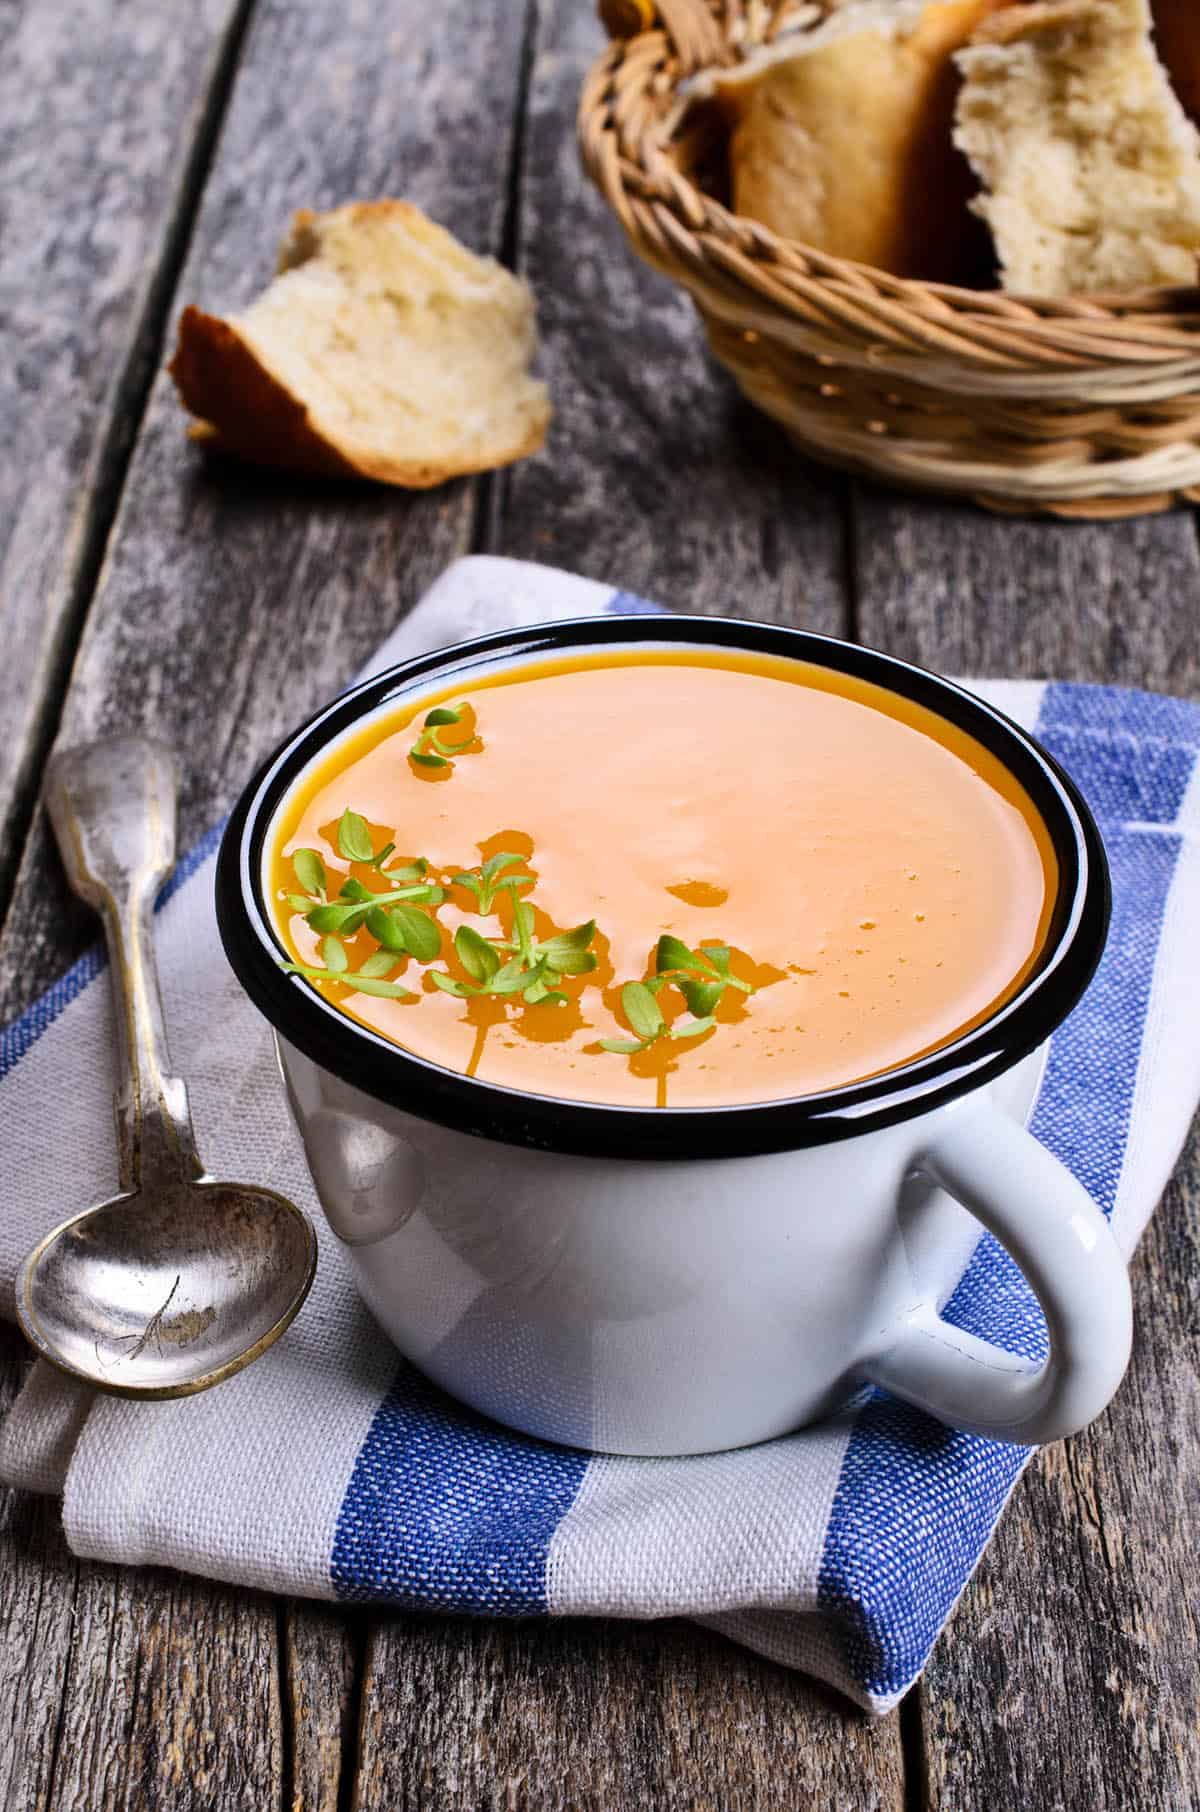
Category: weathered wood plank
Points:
column 171, row 1697
column 956, row 589
column 604, row 1717
column 37, row 1597
column 103, row 131
column 229, row 604
column 655, row 476
column 322, row 1653
column 1070, row 1675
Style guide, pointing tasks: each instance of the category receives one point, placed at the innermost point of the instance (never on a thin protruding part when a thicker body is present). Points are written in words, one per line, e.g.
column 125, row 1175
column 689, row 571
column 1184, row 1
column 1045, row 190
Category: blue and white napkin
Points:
column 333, row 1470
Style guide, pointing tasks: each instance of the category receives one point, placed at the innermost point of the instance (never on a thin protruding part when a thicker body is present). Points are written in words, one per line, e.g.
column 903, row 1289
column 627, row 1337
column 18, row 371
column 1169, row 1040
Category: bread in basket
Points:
column 1076, row 406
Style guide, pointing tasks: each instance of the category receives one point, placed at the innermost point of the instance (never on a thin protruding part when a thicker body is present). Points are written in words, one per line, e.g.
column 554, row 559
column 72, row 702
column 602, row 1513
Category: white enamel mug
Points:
column 670, row 1281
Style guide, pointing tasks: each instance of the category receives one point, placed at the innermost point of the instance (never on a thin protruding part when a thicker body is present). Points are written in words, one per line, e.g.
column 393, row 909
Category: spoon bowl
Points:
column 163, row 1294
column 178, row 1280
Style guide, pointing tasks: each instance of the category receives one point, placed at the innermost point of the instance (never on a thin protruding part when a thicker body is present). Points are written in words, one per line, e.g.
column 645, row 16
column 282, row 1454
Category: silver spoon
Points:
column 178, row 1281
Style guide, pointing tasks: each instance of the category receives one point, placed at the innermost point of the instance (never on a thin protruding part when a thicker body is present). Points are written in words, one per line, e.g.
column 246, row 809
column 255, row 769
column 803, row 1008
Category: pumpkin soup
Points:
column 661, row 875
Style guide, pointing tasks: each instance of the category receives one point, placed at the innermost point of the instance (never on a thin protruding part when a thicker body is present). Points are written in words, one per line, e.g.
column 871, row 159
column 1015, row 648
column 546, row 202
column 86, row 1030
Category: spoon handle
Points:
column 112, row 805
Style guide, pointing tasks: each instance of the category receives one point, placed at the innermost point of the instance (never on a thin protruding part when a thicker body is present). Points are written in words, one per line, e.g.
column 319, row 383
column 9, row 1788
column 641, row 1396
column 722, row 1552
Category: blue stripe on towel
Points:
column 22, row 1034
column 916, row 1502
column 445, row 1510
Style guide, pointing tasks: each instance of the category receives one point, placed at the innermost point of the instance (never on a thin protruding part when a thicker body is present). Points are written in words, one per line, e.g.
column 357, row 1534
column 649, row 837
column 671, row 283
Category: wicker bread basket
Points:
column 1082, row 407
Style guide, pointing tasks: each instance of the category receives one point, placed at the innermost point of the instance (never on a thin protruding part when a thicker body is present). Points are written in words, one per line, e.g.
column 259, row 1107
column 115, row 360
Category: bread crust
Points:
column 243, row 408
column 846, row 144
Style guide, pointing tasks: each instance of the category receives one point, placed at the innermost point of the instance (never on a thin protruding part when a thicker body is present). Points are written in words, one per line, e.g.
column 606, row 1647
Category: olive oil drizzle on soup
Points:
column 880, row 879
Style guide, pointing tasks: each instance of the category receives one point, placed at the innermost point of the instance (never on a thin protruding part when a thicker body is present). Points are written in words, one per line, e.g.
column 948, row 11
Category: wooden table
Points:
column 151, row 154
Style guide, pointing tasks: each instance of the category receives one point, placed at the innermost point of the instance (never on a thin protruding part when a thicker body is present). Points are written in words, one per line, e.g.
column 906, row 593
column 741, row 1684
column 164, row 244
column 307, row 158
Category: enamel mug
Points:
column 682, row 1280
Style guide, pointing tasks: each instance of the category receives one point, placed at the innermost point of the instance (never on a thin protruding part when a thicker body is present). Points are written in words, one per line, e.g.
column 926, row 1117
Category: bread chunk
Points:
column 383, row 349
column 843, row 141
column 1089, row 165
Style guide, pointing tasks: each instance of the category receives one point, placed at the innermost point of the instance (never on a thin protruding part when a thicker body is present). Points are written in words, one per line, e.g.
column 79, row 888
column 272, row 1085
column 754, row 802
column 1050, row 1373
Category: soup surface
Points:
column 878, row 880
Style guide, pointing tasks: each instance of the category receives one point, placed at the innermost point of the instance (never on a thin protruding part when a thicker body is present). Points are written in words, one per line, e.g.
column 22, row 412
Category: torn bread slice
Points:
column 1090, row 167
column 383, row 349
column 842, row 137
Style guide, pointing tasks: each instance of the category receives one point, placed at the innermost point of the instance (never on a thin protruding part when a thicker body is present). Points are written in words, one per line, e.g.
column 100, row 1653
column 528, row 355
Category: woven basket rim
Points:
column 1110, row 330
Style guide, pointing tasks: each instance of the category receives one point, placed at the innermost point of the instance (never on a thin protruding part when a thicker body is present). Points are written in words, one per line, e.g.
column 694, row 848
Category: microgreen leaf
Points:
column 701, row 996
column 429, row 751
column 691, row 1028
column 568, row 951
column 353, row 838
column 299, row 902
column 484, row 883
column 477, row 956
column 625, row 1046
column 422, row 936
column 404, row 871
column 354, row 890
column 342, row 919
column 386, row 930
column 537, row 994
column 511, row 979
column 363, row 984
column 309, row 870
column 385, row 990
column 641, row 1009
column 672, row 954
column 448, row 985
column 718, row 955
column 334, row 952
column 380, row 962
column 523, row 927
column 504, row 859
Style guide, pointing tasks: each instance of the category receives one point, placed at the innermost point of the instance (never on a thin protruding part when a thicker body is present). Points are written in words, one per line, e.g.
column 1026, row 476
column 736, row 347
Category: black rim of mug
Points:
column 401, row 1079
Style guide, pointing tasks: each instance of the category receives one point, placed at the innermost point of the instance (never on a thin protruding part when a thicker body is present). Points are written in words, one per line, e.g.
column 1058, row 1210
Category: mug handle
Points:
column 1050, row 1226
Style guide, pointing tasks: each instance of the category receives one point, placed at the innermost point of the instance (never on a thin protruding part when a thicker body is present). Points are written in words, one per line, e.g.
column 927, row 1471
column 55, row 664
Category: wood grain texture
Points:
column 322, row 1652
column 1070, row 1674
column 230, row 605
column 655, row 475
column 171, row 1697
column 951, row 587
column 37, row 1598
column 102, row 114
column 604, row 1717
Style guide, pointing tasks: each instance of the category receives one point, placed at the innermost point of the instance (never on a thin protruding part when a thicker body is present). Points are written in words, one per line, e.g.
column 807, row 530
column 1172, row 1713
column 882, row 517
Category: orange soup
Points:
column 811, row 879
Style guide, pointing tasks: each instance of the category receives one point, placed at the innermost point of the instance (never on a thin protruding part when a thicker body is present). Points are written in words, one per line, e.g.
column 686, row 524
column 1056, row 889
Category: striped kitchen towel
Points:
column 332, row 1469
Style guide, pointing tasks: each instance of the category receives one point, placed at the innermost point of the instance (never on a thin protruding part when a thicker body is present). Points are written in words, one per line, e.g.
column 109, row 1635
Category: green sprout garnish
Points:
column 533, row 970
column 399, row 916
column 645, row 1017
column 429, row 751
column 392, row 916
column 701, row 976
column 483, row 882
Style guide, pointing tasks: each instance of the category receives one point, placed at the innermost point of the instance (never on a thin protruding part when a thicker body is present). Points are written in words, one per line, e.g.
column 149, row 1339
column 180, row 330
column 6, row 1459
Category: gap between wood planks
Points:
column 487, row 503
column 118, row 440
